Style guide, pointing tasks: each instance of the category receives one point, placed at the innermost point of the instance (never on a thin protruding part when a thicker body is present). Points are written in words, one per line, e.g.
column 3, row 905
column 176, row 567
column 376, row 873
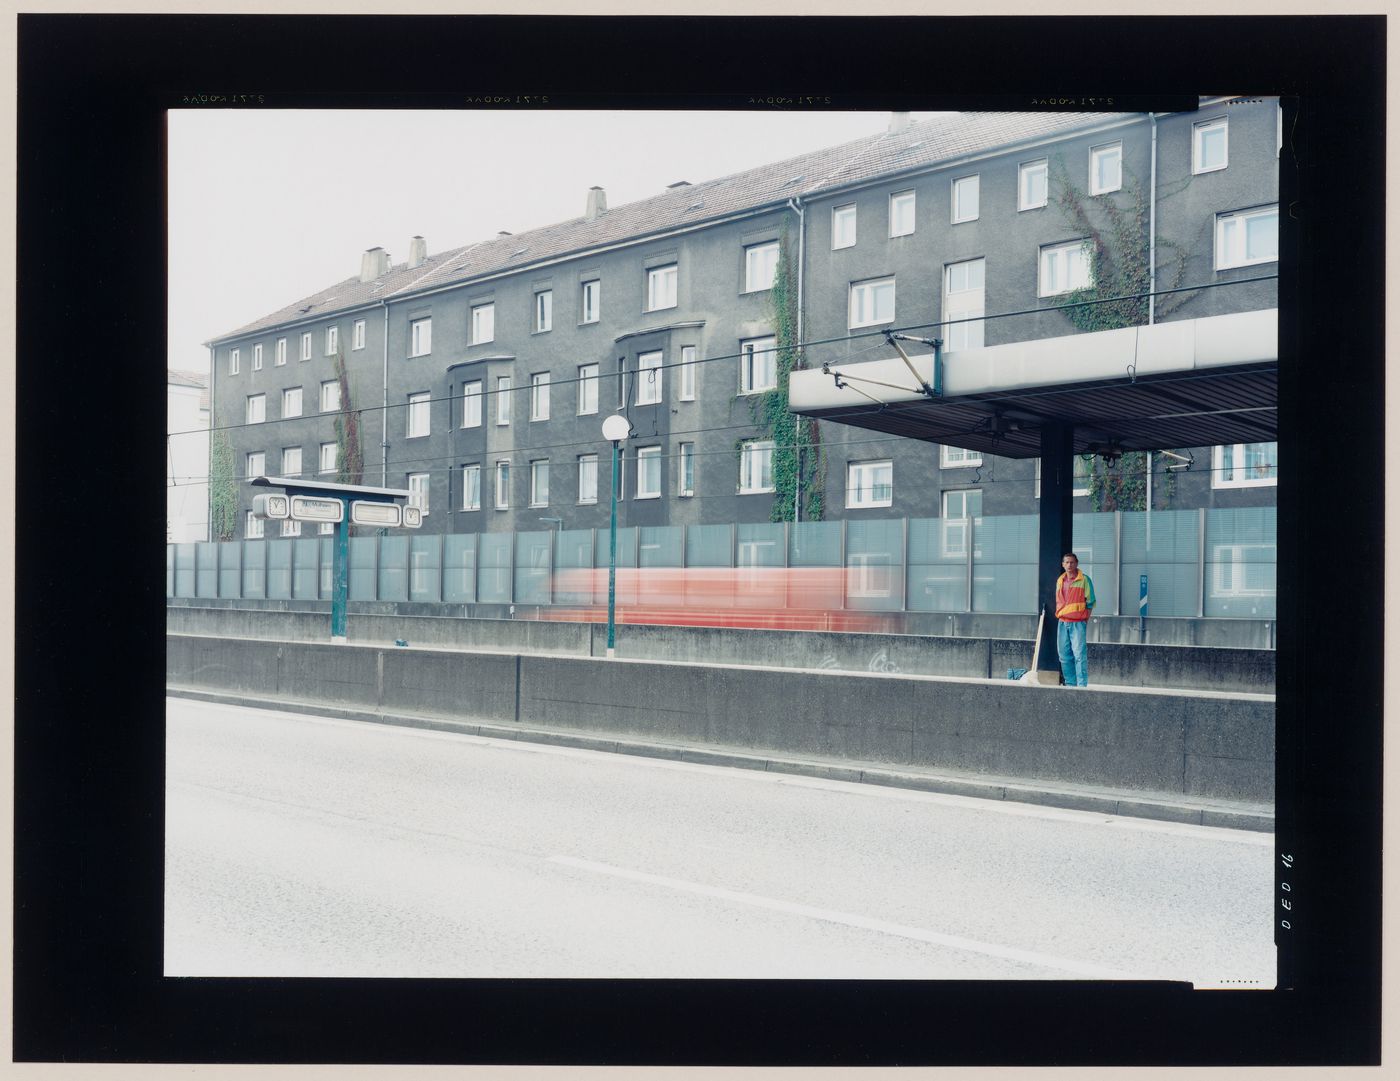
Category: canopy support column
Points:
column 1056, row 527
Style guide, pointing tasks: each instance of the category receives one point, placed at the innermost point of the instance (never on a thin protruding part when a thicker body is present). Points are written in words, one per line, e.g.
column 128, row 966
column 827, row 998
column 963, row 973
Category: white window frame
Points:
column 330, row 395
column 539, row 396
column 290, row 395
column 544, row 311
column 870, row 288
column 257, row 357
column 328, row 453
column 1231, row 557
column 471, row 479
column 758, row 365
column 975, row 180
column 649, row 378
column 483, row 323
column 254, row 464
column 255, row 409
column 587, row 478
column 648, row 470
column 754, row 456
column 957, row 457
column 357, row 335
column 1052, row 252
column 252, row 527
column 1097, row 152
column 500, row 493
column 587, row 389
column 954, row 530
column 306, row 345
column 863, row 488
column 332, row 340
column 1083, row 470
column 471, row 403
column 687, row 391
column 539, row 472
column 662, row 287
column 280, row 354
column 326, row 528
column 287, row 463
column 1236, row 465
column 420, row 336
column 685, row 470
column 1224, row 260
column 590, row 300
column 957, row 305
column 1027, row 170
column 898, row 199
column 418, row 491
column 760, row 266
column 420, row 419
column 1198, row 132
column 233, row 358
column 503, row 393
column 291, row 528
column 843, row 218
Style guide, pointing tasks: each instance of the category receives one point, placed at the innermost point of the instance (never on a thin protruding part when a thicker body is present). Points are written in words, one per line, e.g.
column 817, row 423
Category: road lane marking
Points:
column 989, row 949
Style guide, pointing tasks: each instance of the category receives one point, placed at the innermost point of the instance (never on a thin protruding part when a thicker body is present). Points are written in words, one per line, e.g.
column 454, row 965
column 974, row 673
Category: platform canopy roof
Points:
column 1186, row 383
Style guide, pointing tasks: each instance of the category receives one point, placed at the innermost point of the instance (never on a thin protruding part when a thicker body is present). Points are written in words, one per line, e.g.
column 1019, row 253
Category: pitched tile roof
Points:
column 922, row 144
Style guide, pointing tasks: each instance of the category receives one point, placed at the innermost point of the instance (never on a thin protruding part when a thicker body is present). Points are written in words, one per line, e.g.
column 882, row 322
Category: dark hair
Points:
column 1069, row 555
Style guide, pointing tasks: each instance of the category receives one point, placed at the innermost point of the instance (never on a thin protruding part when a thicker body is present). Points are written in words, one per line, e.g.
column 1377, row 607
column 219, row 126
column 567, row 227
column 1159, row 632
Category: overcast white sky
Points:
column 268, row 207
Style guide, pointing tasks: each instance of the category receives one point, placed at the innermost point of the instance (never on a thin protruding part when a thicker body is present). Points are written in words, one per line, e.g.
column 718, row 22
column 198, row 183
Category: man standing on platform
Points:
column 1074, row 600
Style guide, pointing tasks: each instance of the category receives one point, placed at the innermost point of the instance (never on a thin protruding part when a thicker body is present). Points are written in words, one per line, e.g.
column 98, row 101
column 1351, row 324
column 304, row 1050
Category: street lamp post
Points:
column 615, row 430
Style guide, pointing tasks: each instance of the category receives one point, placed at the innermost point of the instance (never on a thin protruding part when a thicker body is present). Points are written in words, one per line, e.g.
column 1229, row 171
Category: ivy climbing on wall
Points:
column 350, row 457
column 1122, row 485
column 223, row 489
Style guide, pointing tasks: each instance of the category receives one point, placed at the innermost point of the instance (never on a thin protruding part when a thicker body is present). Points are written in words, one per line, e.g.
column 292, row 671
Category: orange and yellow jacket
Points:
column 1073, row 599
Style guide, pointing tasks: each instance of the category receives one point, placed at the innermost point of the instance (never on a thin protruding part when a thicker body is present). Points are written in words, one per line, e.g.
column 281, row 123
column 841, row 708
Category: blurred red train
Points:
column 776, row 598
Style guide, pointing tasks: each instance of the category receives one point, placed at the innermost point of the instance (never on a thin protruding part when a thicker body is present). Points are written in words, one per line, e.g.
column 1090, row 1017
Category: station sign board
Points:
column 310, row 508
column 368, row 512
column 271, row 505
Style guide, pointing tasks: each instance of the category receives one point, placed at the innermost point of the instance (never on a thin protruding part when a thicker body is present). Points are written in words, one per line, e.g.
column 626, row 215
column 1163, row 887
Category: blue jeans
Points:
column 1073, row 645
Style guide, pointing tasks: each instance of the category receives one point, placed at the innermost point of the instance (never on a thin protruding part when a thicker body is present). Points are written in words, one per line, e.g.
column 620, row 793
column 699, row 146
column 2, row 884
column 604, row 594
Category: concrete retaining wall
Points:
column 1203, row 746
column 1172, row 667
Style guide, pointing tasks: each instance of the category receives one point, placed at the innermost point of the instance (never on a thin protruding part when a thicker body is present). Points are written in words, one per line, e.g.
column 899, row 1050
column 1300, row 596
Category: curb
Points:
column 1219, row 815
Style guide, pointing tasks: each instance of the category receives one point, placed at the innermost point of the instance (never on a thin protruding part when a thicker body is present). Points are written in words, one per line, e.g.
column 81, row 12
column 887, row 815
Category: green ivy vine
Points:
column 1122, row 485
column 223, row 488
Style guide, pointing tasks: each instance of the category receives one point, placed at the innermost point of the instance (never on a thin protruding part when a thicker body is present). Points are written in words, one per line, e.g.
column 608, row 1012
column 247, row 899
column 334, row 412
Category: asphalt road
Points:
column 305, row 846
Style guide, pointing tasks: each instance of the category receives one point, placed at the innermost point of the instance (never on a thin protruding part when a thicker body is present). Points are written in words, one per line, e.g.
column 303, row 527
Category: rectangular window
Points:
column 964, row 297
column 966, row 198
column 1245, row 570
column 328, row 463
column 661, row 287
column 687, row 373
column 281, row 355
column 253, row 529
column 902, row 213
column 758, row 365
column 1083, row 471
column 502, row 485
column 1105, row 169
column 1246, row 237
column 255, row 465
column 357, row 335
column 1064, row 268
column 291, row 528
column 332, row 341
column 872, row 302
column 419, row 416
column 1210, row 145
column 649, row 378
column 418, row 491
column 649, row 473
column 291, row 402
column 420, row 337
column 756, row 466
column 471, row 487
column 1035, row 184
column 588, row 478
column 685, row 480
column 255, row 409
column 539, row 396
column 257, row 357
column 233, row 361
column 960, row 510
column 471, row 404
column 291, row 461
column 502, row 399
column 870, row 484
column 1245, row 465
column 952, row 457
column 539, row 483
column 591, row 295
column 587, row 389
column 843, row 226
column 483, row 324
column 760, row 266
column 544, row 310
column 330, row 395
column 325, row 528
column 306, row 346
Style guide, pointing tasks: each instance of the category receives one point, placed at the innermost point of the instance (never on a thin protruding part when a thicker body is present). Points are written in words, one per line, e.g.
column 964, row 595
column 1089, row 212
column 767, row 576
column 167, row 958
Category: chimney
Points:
column 678, row 184
column 374, row 264
column 899, row 122
column 597, row 204
column 417, row 252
